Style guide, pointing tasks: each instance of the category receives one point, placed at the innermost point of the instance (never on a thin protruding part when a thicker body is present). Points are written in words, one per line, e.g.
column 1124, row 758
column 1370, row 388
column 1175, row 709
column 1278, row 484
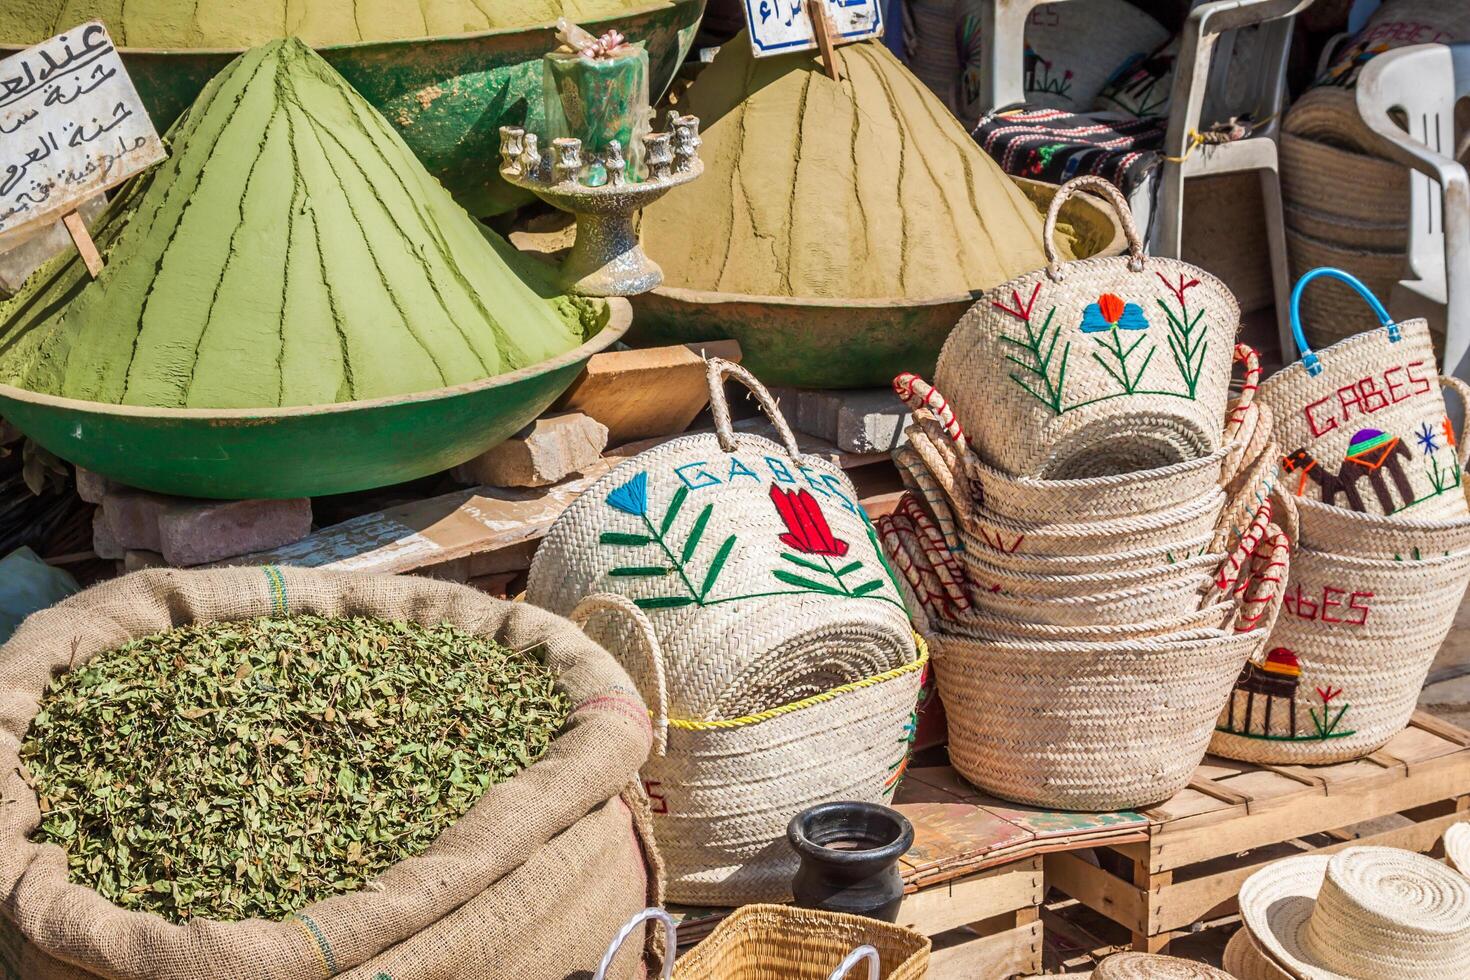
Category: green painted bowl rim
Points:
column 357, row 45
column 619, row 319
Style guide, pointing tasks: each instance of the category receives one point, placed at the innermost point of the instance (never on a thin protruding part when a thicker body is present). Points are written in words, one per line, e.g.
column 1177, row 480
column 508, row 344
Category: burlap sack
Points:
column 761, row 573
column 1094, row 367
column 531, row 883
column 1362, row 424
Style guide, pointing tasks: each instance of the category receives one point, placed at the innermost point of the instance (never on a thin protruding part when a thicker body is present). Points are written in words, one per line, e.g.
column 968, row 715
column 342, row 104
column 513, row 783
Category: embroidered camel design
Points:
column 1372, row 454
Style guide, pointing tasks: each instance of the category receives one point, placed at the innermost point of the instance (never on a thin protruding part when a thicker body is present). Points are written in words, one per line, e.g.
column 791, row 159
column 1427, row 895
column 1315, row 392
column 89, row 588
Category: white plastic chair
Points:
column 1424, row 82
column 1204, row 88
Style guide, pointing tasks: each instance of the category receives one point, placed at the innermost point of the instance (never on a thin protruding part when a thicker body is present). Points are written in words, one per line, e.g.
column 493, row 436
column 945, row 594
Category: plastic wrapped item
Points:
column 27, row 584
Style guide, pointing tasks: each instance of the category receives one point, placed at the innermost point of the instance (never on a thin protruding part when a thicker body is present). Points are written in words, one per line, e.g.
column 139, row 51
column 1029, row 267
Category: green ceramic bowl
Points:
column 447, row 96
column 301, row 452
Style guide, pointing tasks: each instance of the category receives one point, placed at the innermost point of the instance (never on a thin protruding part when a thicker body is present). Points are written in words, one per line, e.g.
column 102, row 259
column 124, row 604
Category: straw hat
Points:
column 1457, row 847
column 1244, row 960
column 1150, row 966
column 1361, row 914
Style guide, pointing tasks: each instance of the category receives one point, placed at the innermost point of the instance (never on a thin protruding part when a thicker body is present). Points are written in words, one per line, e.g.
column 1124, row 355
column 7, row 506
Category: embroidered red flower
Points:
column 806, row 527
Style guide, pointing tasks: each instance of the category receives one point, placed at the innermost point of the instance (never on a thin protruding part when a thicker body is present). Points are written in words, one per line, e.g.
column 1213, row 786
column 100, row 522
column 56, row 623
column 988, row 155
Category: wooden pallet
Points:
column 986, row 924
column 1236, row 817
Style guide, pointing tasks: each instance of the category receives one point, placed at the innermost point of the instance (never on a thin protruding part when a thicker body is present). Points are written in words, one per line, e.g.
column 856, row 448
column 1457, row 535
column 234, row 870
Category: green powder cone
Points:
column 292, row 251
column 867, row 187
column 244, row 23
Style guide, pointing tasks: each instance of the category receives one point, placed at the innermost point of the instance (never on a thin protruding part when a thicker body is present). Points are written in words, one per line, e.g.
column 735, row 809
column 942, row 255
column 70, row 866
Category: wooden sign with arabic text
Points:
column 781, row 26
column 71, row 126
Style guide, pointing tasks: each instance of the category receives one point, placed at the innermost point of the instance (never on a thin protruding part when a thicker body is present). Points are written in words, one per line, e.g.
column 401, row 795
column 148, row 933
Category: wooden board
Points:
column 1014, row 952
column 1237, row 817
column 982, row 895
column 637, row 394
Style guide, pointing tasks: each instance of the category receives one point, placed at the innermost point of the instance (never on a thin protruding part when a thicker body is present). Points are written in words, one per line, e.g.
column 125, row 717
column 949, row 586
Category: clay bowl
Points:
column 843, row 343
column 307, row 451
column 447, row 96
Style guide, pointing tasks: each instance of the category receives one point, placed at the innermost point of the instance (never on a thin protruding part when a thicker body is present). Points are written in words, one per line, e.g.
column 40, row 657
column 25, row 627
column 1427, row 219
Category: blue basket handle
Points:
column 1309, row 359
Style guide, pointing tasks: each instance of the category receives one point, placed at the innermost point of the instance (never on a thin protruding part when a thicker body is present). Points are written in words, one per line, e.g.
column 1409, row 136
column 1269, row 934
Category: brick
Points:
column 133, row 517
column 104, row 542
column 866, row 420
column 194, row 532
column 91, row 487
column 543, row 453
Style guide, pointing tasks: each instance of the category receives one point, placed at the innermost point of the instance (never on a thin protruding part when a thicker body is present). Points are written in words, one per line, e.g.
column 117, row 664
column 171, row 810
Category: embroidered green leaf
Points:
column 617, row 537
column 697, row 532
column 673, row 511
column 806, row 564
column 641, row 571
column 663, row 602
column 791, row 578
column 849, row 568
column 867, row 587
column 716, row 565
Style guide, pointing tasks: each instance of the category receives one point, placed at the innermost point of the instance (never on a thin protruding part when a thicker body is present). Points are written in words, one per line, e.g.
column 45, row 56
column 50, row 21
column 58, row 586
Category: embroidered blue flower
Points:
column 1426, row 437
column 631, row 497
column 1111, row 313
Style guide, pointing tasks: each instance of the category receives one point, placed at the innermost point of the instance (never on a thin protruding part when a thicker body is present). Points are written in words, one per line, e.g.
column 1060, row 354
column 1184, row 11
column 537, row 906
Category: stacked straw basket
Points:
column 742, row 587
column 1095, row 569
column 1382, row 545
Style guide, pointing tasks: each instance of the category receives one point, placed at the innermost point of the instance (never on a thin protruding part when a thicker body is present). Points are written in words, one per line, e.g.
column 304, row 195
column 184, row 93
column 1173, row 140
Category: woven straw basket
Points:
column 1347, row 532
column 1363, row 422
column 1346, row 659
column 1174, row 529
column 1189, row 574
column 779, row 942
column 761, row 574
column 1094, row 367
column 1085, row 726
column 723, row 791
column 1152, row 966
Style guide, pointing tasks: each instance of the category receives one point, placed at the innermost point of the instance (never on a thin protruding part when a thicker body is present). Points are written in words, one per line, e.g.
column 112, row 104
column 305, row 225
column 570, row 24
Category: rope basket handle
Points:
column 1309, row 357
column 671, row 941
column 1449, row 382
column 852, row 959
column 1106, row 189
column 946, row 568
column 1265, row 589
column 1250, row 383
column 715, row 373
column 918, row 394
column 621, row 605
column 1232, row 573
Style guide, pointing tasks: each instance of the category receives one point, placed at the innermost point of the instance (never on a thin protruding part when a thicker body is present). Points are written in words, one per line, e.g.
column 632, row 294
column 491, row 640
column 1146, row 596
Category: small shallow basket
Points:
column 983, row 533
column 1096, row 367
column 1103, row 609
column 979, row 625
column 1362, row 424
column 723, row 842
column 766, row 942
column 992, row 560
column 756, row 565
column 1342, row 671
column 1085, row 726
column 1193, row 572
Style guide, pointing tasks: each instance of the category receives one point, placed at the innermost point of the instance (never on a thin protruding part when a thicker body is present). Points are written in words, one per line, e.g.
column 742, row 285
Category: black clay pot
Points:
column 849, row 858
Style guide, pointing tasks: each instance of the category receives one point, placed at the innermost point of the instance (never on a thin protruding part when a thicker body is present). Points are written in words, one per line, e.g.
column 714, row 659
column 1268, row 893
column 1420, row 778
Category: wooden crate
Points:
column 987, row 924
column 1236, row 817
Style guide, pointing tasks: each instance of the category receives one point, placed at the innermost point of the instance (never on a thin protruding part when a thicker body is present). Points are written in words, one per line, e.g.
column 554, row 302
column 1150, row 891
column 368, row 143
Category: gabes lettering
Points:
column 1368, row 395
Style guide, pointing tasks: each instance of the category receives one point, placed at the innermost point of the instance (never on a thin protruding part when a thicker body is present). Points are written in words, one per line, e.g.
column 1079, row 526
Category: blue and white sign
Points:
column 779, row 26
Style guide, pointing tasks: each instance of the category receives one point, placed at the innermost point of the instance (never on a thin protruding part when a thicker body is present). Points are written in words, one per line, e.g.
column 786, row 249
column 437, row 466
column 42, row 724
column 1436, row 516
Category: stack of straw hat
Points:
column 1089, row 540
column 1364, row 913
column 1151, row 966
column 1380, row 531
column 1347, row 206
